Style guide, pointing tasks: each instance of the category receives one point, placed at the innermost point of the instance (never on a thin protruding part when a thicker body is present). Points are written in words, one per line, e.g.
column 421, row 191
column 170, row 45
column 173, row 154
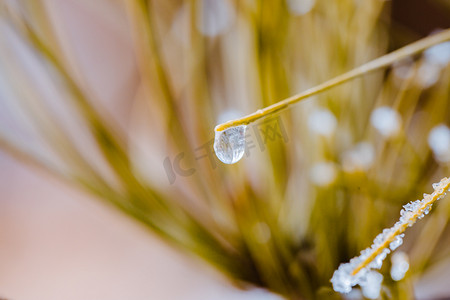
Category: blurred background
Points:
column 109, row 185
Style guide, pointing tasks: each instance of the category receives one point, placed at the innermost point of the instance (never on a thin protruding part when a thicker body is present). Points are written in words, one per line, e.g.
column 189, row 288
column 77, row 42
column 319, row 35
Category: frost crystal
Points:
column 400, row 265
column 300, row 7
column 371, row 287
column 439, row 142
column 396, row 242
column 229, row 144
column 359, row 269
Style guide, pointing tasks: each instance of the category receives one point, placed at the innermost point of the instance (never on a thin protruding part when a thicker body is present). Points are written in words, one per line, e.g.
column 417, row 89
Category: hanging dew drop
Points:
column 229, row 144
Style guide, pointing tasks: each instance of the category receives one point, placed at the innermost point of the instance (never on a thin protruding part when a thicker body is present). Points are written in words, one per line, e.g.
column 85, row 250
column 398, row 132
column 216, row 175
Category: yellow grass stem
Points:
column 443, row 186
column 371, row 66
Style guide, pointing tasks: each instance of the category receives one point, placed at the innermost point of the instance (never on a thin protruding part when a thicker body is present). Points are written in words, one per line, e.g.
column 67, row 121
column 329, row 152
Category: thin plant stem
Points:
column 376, row 64
column 355, row 272
column 400, row 229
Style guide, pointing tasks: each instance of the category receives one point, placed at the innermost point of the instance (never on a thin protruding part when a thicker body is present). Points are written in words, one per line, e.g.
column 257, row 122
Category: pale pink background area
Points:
column 57, row 243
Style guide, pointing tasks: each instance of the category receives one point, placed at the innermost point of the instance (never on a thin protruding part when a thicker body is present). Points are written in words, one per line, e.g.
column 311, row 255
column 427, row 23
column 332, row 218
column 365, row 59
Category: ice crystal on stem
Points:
column 358, row 270
column 371, row 286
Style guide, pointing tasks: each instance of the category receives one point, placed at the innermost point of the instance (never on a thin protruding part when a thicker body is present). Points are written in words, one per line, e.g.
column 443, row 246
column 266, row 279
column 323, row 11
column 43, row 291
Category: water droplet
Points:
column 229, row 144
column 439, row 142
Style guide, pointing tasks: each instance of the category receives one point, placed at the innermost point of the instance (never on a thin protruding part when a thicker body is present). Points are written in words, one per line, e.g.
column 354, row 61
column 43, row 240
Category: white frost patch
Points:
column 372, row 286
column 323, row 122
column 323, row 173
column 300, row 7
column 386, row 121
column 400, row 264
column 439, row 142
